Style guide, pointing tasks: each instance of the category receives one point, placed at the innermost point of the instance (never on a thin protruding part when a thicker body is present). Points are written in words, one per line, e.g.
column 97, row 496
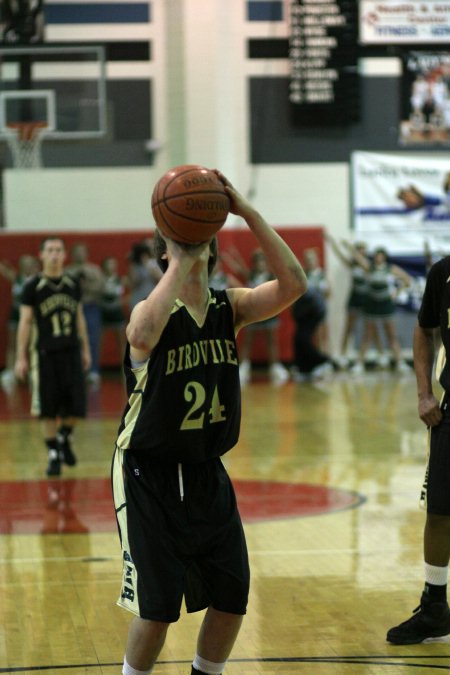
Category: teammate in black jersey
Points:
column 52, row 346
column 431, row 620
column 180, row 529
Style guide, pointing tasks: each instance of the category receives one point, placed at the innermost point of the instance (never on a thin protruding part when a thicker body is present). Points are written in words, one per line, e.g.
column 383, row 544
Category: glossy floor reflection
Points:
column 328, row 477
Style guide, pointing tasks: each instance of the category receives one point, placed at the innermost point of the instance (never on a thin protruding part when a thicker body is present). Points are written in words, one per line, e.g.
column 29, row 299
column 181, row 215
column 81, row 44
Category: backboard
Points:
column 62, row 88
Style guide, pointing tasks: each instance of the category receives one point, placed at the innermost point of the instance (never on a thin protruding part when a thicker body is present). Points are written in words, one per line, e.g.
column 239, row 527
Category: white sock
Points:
column 437, row 576
column 129, row 670
column 209, row 667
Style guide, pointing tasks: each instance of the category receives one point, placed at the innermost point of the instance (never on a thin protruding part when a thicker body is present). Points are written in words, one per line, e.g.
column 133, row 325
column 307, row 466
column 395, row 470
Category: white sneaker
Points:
column 403, row 367
column 297, row 376
column 245, row 372
column 384, row 360
column 342, row 362
column 278, row 373
column 357, row 368
column 93, row 379
column 8, row 380
column 321, row 371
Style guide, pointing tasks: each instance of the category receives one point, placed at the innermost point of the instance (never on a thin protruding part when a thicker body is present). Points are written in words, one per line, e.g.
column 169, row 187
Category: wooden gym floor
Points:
column 328, row 477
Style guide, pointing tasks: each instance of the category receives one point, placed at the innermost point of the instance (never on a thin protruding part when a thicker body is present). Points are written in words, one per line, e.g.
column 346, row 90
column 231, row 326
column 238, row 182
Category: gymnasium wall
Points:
column 118, row 244
column 208, row 87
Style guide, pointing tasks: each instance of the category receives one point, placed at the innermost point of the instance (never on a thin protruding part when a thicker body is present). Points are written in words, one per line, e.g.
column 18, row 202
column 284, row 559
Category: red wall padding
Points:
column 118, row 244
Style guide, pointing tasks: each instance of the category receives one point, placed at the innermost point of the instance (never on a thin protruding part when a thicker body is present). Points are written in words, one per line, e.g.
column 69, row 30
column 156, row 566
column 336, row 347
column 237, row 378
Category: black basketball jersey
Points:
column 55, row 305
column 435, row 310
column 184, row 403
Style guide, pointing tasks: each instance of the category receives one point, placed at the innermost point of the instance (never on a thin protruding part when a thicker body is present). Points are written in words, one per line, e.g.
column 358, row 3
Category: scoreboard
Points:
column 323, row 55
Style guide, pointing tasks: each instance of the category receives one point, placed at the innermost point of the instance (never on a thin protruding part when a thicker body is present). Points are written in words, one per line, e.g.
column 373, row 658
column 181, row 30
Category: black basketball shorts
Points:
column 438, row 486
column 181, row 535
column 58, row 384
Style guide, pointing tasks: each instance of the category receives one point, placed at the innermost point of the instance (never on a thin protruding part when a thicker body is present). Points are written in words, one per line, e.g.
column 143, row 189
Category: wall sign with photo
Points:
column 425, row 104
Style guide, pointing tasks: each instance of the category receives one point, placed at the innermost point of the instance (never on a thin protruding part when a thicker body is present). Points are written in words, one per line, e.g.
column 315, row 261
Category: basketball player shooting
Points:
column 180, row 529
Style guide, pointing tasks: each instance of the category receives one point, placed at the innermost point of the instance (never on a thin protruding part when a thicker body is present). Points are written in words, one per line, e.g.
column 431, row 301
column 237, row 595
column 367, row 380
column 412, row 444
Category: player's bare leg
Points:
column 49, row 432
column 431, row 620
column 272, row 347
column 394, row 344
column 277, row 372
column 349, row 328
column 64, row 437
column 218, row 634
column 49, row 427
column 145, row 641
column 367, row 336
column 437, row 540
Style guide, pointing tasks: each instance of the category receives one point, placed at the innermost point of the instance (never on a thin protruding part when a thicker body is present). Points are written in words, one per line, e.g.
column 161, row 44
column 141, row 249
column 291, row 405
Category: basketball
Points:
column 190, row 204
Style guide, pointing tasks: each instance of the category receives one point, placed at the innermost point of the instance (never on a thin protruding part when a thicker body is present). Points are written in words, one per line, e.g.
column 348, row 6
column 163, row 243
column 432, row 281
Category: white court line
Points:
column 290, row 552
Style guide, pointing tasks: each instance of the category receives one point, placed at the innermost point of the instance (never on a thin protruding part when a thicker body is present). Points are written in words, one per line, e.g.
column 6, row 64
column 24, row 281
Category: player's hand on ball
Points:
column 239, row 205
column 191, row 252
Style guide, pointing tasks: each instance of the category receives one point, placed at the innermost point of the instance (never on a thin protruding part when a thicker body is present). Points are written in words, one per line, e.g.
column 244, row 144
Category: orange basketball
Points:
column 189, row 204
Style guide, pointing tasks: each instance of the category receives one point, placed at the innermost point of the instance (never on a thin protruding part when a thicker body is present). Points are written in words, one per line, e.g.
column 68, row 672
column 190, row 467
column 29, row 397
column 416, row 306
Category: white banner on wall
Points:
column 401, row 202
column 397, row 22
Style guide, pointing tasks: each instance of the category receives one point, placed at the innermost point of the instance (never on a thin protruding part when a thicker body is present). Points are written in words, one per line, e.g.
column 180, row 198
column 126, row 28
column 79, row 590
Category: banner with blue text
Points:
column 401, row 202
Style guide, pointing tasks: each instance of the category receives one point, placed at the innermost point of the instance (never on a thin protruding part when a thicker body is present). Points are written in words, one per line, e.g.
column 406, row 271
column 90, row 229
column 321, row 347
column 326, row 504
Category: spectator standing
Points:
column 219, row 279
column 28, row 266
column 143, row 272
column 259, row 273
column 310, row 362
column 92, row 283
column 318, row 281
column 113, row 315
column 354, row 326
column 384, row 282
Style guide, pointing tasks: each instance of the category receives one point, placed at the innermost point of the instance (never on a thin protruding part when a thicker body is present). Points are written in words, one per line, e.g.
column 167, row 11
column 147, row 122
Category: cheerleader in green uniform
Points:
column 384, row 282
column 356, row 300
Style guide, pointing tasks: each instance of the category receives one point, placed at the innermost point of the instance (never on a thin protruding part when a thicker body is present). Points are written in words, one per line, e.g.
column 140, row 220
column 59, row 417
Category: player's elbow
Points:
column 139, row 337
column 298, row 283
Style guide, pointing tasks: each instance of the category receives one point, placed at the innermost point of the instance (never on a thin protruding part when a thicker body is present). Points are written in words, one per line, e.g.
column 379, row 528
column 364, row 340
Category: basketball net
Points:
column 24, row 140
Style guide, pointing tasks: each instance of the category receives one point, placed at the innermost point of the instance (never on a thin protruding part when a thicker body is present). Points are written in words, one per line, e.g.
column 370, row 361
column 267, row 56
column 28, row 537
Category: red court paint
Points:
column 85, row 505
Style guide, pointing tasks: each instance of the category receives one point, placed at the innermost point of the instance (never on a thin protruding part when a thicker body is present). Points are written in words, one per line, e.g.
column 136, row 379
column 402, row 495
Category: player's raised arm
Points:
column 270, row 298
column 150, row 316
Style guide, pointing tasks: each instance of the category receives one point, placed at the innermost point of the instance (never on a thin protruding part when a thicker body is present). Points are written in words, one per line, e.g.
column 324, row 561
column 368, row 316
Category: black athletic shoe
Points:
column 66, row 454
column 54, row 463
column 431, row 620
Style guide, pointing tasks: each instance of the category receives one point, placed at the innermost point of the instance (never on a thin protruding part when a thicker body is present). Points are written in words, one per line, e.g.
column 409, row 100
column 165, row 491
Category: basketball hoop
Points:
column 24, row 140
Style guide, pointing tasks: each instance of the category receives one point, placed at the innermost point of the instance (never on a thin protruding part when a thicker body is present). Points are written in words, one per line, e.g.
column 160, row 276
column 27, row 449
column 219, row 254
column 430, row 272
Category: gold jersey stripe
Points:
column 135, row 404
column 128, row 596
